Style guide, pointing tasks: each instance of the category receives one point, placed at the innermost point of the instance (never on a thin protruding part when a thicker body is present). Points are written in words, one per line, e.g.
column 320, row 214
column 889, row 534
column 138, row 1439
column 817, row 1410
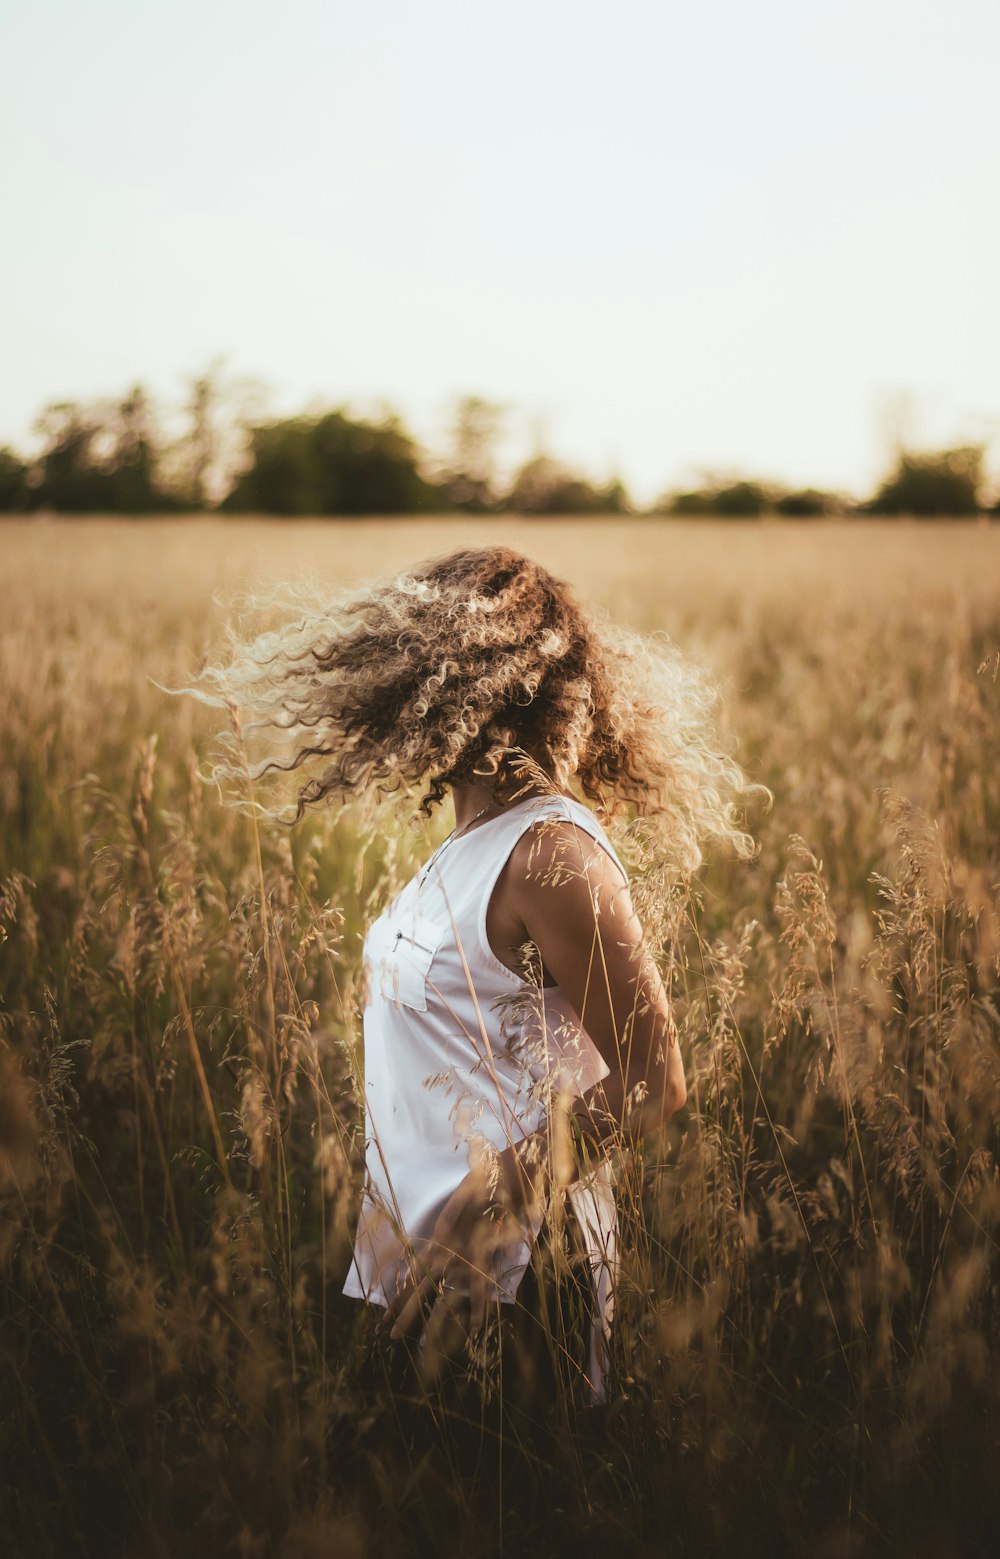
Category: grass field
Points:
column 808, row 1358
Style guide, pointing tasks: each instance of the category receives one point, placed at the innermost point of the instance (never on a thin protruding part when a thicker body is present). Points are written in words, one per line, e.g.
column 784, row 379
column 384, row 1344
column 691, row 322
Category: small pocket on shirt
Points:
column 405, row 965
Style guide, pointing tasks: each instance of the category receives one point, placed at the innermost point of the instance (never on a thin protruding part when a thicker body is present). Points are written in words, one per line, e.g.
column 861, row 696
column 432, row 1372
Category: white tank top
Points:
column 452, row 1056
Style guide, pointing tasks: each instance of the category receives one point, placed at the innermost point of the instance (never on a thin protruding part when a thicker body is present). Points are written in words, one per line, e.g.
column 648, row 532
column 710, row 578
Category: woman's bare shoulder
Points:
column 558, row 851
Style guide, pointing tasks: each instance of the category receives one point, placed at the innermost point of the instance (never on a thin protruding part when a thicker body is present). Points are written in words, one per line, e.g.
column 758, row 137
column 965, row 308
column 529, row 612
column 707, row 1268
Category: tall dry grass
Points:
column 806, row 1357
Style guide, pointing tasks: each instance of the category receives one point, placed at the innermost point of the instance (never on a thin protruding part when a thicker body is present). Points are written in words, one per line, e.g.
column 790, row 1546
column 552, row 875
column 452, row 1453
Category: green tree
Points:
column 691, row 504
column 204, row 438
column 133, row 461
column 729, row 500
column 14, row 493
column 544, row 486
column 370, row 468
column 283, row 475
column 807, row 503
column 945, row 483
column 74, row 472
column 203, row 464
column 470, row 477
column 332, row 464
column 100, row 457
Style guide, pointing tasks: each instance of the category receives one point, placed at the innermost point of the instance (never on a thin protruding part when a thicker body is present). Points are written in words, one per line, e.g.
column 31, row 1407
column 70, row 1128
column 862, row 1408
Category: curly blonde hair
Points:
column 481, row 665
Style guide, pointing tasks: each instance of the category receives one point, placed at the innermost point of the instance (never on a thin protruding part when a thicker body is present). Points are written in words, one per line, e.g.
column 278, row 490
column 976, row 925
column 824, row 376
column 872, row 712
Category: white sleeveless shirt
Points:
column 452, row 1057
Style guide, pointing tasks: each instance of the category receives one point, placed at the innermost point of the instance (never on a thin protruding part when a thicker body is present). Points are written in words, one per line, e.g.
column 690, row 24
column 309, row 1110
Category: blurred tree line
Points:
column 946, row 484
column 114, row 456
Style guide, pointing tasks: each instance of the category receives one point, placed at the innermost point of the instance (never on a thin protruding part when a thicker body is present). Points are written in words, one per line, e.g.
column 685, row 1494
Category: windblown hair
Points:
column 479, row 665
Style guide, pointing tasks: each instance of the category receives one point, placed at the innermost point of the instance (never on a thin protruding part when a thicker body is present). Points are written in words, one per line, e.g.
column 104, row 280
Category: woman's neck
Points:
column 471, row 800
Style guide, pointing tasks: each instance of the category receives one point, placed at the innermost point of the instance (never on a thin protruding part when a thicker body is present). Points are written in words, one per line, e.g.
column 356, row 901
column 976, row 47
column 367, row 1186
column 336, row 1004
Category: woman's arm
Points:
column 575, row 908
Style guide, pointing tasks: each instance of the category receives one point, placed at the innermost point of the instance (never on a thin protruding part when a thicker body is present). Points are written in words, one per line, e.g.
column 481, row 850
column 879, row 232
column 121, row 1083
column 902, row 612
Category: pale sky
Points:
column 746, row 238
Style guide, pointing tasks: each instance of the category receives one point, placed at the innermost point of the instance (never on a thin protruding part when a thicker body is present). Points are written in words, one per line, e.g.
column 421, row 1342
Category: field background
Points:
column 808, row 1352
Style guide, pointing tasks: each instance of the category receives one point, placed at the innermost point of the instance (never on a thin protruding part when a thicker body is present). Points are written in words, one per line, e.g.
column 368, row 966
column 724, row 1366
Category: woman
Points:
column 516, row 1031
